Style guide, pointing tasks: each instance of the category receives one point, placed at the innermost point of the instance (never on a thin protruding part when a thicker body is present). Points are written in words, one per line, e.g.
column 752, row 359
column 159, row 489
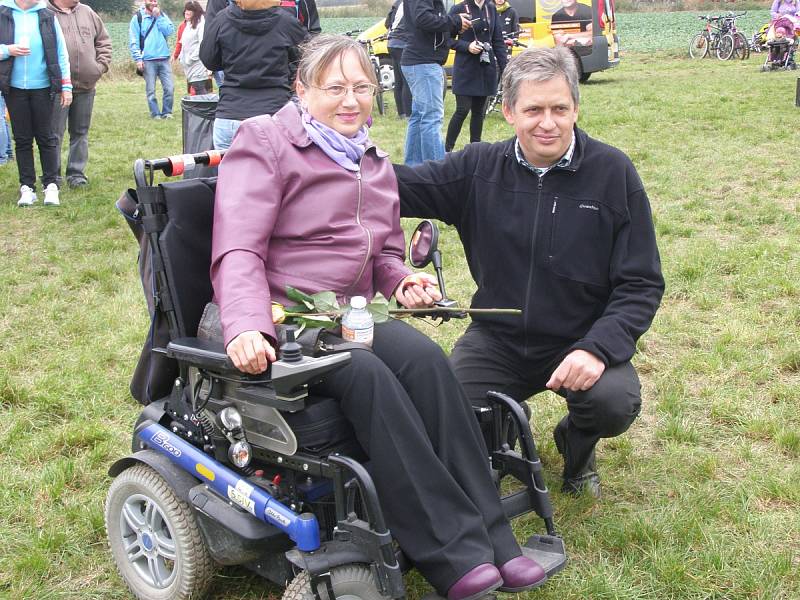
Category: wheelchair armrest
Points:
column 204, row 354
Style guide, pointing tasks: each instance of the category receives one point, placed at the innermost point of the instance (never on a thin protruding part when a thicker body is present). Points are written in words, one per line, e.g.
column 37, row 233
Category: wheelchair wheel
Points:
column 350, row 582
column 154, row 539
column 725, row 47
column 698, row 47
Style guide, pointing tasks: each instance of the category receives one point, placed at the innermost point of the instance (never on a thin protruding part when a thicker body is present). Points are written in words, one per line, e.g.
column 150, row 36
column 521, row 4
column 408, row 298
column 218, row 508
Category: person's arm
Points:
column 133, row 39
column 210, row 51
column 298, row 35
column 498, row 44
column 436, row 189
column 102, row 43
column 637, row 287
column 201, row 30
column 243, row 225
column 390, row 17
column 165, row 25
column 774, row 9
column 63, row 65
column 514, row 23
column 457, row 43
column 422, row 14
column 310, row 16
column 179, row 41
column 213, row 8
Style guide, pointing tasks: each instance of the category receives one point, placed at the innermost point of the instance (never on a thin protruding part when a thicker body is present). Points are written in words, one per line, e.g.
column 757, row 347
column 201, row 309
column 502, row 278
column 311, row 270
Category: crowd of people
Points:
column 552, row 221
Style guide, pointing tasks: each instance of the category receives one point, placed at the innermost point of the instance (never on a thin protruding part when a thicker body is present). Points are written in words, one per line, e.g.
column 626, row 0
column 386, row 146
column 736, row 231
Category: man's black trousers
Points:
column 427, row 456
column 485, row 360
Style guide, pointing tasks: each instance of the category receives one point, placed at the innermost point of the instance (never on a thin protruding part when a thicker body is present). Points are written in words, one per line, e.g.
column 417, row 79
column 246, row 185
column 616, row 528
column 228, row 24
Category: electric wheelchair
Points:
column 232, row 469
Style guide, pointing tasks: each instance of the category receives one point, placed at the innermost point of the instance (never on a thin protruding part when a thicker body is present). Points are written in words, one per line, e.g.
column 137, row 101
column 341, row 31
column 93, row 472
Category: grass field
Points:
column 702, row 495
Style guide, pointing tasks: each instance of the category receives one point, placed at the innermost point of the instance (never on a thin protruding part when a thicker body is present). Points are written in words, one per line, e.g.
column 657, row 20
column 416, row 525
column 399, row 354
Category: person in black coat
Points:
column 509, row 21
column 258, row 50
column 480, row 57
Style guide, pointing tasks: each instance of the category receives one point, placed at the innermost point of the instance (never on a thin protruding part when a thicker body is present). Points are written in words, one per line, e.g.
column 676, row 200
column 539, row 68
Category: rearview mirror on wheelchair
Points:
column 231, row 469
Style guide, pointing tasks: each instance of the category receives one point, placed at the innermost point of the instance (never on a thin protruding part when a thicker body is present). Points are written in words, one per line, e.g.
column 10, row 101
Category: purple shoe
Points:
column 476, row 583
column 521, row 573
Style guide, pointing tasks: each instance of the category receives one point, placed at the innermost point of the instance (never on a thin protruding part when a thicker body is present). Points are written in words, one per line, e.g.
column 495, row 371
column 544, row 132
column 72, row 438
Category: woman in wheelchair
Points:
column 305, row 199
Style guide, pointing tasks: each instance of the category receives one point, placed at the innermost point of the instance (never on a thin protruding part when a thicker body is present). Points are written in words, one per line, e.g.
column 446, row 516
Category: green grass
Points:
column 702, row 495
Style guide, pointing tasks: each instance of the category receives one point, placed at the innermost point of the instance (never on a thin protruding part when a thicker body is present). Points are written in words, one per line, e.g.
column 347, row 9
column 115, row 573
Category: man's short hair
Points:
column 540, row 64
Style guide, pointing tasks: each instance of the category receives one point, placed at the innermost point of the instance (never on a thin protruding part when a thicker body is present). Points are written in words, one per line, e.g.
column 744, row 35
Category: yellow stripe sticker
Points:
column 205, row 472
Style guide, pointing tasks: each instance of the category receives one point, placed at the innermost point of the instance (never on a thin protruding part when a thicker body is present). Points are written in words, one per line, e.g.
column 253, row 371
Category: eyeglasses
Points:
column 340, row 91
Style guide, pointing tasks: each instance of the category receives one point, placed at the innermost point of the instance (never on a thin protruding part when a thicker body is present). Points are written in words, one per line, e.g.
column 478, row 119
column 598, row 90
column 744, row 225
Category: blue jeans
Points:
column 424, row 133
column 5, row 135
column 224, row 130
column 158, row 68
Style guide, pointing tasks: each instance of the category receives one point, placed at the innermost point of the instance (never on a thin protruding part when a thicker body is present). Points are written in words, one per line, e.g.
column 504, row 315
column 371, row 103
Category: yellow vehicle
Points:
column 543, row 23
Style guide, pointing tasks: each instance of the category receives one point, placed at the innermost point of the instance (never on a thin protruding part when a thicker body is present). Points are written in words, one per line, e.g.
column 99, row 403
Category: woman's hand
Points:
column 17, row 50
column 418, row 290
column 475, row 47
column 251, row 352
column 66, row 98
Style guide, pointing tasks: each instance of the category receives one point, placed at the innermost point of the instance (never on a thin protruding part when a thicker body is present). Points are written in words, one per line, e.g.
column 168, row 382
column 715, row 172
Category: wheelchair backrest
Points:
column 185, row 248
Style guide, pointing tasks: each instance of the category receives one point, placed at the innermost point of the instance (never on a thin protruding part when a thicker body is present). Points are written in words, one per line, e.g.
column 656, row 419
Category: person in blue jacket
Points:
column 147, row 39
column 34, row 68
column 480, row 57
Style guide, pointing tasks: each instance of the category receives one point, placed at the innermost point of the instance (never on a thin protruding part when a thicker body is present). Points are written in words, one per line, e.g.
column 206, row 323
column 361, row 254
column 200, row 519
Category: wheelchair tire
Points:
column 350, row 582
column 154, row 538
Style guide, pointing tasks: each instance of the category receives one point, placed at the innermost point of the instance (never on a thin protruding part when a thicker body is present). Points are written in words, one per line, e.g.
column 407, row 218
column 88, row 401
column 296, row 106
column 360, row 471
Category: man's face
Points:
column 150, row 4
column 568, row 3
column 543, row 118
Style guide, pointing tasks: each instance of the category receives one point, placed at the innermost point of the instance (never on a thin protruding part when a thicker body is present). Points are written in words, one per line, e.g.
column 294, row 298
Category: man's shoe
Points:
column 167, row 116
column 155, row 117
column 51, row 195
column 586, row 478
column 521, row 573
column 76, row 182
column 476, row 583
column 26, row 196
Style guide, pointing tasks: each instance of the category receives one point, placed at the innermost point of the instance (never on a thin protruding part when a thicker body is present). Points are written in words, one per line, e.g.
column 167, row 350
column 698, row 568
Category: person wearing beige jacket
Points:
column 89, row 48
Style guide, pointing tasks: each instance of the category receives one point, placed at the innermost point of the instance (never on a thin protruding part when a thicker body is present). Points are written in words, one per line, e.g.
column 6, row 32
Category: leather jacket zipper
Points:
column 367, row 231
column 527, row 309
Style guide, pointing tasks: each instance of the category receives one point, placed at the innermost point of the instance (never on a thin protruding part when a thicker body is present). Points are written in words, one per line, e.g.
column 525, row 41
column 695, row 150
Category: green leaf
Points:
column 296, row 308
column 379, row 308
column 314, row 321
column 325, row 302
column 298, row 296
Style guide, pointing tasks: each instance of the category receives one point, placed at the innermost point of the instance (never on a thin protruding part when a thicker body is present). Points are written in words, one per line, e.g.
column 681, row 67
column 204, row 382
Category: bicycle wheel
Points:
column 491, row 103
column 741, row 48
column 725, row 47
column 698, row 47
column 379, row 93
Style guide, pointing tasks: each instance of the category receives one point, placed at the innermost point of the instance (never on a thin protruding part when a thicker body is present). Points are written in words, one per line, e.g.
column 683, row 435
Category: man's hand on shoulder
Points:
column 579, row 371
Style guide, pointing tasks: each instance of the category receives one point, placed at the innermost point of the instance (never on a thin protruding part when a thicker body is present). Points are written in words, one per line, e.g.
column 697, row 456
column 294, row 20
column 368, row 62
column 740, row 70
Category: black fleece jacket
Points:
column 575, row 249
column 429, row 31
column 257, row 50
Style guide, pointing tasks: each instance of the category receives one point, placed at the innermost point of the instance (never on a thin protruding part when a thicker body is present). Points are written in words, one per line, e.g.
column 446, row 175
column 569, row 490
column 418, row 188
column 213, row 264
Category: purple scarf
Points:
column 344, row 151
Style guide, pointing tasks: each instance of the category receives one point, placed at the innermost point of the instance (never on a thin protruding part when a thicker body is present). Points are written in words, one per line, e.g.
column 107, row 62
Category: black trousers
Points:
column 465, row 104
column 427, row 456
column 402, row 93
column 485, row 360
column 31, row 114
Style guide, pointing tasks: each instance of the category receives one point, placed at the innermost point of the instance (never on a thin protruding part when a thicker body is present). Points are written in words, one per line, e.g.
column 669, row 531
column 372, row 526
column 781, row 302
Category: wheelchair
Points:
column 233, row 469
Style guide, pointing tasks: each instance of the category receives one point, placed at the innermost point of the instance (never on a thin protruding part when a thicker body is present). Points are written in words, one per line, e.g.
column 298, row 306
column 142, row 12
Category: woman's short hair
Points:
column 322, row 50
column 540, row 64
column 197, row 12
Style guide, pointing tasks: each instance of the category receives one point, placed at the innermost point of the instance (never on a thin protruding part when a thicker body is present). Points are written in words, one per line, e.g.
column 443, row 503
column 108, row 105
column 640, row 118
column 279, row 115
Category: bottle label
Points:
column 361, row 336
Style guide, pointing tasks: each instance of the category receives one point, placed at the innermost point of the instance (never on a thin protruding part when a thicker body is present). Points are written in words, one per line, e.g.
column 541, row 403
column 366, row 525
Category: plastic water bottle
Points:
column 357, row 323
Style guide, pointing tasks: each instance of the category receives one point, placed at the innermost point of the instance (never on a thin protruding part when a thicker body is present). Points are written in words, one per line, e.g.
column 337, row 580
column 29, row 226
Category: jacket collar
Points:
column 577, row 154
column 291, row 124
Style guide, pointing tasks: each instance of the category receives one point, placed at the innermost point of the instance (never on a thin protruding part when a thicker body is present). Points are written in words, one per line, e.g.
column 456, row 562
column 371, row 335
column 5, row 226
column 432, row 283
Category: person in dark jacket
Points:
column 257, row 50
column 398, row 34
column 509, row 21
column 480, row 55
column 558, row 224
column 429, row 33
column 304, row 10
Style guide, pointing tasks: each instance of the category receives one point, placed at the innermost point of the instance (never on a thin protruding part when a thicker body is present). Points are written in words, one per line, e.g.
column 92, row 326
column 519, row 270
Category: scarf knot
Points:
column 344, row 151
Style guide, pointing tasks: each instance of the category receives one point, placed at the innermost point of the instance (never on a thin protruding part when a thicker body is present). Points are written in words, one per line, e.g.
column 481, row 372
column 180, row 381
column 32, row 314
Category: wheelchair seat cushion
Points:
column 322, row 429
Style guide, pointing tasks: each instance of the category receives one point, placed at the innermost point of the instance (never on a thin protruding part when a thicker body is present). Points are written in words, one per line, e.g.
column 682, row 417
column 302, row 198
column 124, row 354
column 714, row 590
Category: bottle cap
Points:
column 358, row 302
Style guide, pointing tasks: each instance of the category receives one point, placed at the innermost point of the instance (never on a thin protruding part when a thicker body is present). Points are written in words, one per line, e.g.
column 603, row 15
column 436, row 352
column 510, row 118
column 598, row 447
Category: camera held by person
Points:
column 485, row 57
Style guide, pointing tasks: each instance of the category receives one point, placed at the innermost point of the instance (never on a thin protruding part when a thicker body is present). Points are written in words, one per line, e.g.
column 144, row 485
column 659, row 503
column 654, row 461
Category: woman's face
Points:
column 346, row 113
column 188, row 14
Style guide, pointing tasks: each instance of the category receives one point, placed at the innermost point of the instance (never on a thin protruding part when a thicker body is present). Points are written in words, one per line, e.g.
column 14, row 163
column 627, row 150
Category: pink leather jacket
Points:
column 286, row 214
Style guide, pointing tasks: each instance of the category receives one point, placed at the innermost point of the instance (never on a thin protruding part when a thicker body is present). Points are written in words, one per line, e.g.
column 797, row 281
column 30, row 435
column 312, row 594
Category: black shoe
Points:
column 77, row 182
column 584, row 479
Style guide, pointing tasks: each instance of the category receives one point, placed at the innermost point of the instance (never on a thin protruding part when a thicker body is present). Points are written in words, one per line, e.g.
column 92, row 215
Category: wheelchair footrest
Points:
column 548, row 551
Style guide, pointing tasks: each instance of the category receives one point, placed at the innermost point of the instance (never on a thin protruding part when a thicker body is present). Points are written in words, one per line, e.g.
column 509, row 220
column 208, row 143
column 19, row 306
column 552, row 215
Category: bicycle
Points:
column 721, row 37
column 740, row 43
column 496, row 99
column 376, row 65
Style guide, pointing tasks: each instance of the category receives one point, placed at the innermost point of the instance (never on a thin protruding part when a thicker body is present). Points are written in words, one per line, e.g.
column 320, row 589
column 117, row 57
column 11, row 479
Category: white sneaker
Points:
column 26, row 196
column 51, row 195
